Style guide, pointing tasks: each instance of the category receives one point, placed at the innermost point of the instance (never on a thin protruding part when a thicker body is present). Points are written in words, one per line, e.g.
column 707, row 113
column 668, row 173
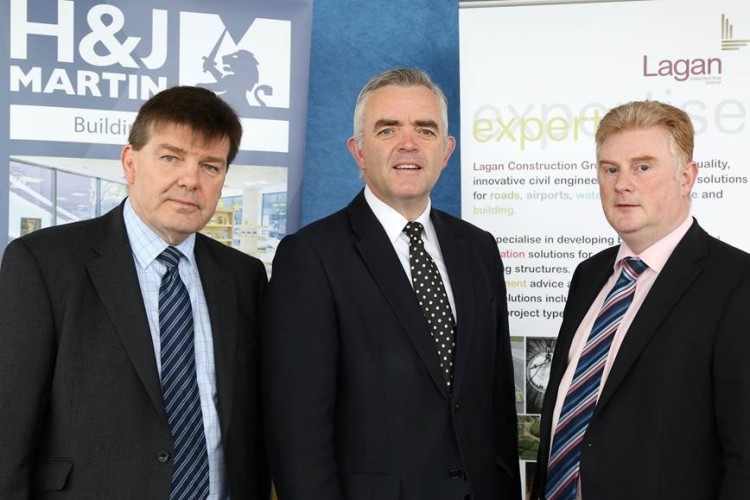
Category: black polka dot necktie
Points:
column 428, row 285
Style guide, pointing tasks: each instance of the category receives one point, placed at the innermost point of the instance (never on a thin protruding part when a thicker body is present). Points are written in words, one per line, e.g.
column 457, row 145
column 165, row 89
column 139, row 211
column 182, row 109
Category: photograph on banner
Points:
column 517, row 347
column 79, row 71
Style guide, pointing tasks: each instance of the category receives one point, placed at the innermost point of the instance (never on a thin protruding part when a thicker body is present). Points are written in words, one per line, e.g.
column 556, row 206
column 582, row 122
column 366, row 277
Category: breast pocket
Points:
column 52, row 474
column 363, row 486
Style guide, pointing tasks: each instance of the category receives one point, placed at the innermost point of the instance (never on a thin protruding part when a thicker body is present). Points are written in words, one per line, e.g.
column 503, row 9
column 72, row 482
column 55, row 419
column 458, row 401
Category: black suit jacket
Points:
column 356, row 404
column 673, row 418
column 81, row 409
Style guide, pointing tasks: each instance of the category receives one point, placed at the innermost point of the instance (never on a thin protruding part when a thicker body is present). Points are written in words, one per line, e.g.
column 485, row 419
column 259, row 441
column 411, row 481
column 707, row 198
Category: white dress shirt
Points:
column 393, row 223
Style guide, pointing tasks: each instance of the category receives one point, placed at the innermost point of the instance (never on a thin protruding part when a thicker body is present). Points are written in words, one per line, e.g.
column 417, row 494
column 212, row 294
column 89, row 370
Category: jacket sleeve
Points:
column 732, row 394
column 506, row 431
column 27, row 337
column 300, row 348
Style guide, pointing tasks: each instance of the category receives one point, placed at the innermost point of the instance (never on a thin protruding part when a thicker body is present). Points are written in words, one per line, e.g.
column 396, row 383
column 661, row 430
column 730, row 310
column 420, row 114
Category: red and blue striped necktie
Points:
column 563, row 470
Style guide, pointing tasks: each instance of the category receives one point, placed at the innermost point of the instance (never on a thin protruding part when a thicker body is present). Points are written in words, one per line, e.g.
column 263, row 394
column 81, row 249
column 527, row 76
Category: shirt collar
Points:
column 146, row 244
column 656, row 255
column 393, row 222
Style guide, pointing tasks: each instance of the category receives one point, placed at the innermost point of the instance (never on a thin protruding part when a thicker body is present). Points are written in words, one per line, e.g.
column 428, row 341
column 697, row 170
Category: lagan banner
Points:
column 75, row 72
column 535, row 82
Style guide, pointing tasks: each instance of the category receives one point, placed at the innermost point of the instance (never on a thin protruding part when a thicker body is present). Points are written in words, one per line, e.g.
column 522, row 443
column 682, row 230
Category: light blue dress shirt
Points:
column 146, row 246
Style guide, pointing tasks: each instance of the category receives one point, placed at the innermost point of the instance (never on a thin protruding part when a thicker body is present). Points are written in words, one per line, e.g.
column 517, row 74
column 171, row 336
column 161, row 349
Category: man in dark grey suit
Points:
column 651, row 403
column 374, row 391
column 124, row 374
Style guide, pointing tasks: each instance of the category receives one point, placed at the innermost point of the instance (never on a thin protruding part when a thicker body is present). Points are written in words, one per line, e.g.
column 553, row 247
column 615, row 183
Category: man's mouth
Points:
column 184, row 203
column 407, row 166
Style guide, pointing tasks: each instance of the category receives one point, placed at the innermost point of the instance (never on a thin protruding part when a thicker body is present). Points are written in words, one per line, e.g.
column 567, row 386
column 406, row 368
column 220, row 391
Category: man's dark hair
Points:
column 199, row 109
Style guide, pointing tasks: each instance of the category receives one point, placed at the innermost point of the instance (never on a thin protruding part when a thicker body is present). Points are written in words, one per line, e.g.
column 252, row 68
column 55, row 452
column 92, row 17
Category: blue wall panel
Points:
column 352, row 40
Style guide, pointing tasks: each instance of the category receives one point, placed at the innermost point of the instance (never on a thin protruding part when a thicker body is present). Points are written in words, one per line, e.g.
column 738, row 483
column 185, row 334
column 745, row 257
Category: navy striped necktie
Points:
column 180, row 384
column 563, row 470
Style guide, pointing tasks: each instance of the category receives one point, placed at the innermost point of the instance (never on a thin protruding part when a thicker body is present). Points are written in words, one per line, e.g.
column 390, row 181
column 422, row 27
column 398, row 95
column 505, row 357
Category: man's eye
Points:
column 427, row 132
column 643, row 167
column 169, row 158
column 385, row 131
column 211, row 169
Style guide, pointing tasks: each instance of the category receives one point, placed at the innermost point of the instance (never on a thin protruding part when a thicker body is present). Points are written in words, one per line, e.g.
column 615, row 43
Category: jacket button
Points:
column 163, row 457
column 455, row 474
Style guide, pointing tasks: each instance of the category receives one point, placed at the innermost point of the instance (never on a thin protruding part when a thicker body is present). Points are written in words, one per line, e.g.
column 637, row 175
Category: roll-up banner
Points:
column 536, row 78
column 75, row 73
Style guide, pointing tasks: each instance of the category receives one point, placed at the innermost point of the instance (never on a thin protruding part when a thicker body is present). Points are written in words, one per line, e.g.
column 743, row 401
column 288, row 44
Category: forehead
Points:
column 398, row 102
column 635, row 143
column 185, row 137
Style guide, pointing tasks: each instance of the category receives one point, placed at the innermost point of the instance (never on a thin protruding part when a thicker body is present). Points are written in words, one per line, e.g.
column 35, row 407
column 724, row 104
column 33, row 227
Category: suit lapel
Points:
column 457, row 257
column 115, row 279
column 381, row 260
column 220, row 291
column 681, row 269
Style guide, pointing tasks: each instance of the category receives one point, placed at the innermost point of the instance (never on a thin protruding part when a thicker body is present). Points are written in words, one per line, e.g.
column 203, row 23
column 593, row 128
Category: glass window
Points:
column 274, row 214
column 43, row 196
column 111, row 195
column 31, row 192
column 76, row 197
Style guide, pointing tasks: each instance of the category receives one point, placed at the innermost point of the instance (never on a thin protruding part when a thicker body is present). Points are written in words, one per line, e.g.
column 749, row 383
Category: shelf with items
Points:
column 221, row 226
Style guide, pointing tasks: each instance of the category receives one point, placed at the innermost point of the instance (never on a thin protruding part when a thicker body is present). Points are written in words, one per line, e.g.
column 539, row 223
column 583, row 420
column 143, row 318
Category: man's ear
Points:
column 127, row 159
column 450, row 145
column 687, row 179
column 356, row 152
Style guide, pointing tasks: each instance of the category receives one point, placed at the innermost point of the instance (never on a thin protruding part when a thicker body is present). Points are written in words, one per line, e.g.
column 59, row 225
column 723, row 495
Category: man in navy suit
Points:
column 670, row 408
column 360, row 404
column 82, row 411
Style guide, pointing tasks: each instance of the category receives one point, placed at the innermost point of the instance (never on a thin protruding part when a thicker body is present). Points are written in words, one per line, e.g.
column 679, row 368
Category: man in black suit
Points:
column 667, row 418
column 370, row 396
column 105, row 391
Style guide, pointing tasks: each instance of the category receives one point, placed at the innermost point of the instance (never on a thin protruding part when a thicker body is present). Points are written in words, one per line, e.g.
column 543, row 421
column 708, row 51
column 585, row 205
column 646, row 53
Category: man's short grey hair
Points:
column 400, row 77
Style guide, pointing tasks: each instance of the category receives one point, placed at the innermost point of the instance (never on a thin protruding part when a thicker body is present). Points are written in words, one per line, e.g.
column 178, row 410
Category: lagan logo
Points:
column 706, row 69
column 249, row 68
column 728, row 42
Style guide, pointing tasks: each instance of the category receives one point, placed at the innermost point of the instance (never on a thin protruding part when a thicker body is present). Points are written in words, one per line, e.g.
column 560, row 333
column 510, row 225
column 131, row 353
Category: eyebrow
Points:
column 384, row 122
column 178, row 150
column 636, row 159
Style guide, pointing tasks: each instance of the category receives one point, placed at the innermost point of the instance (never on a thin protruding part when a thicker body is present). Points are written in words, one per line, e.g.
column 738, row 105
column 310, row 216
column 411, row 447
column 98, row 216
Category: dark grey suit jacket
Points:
column 81, row 409
column 356, row 404
column 673, row 419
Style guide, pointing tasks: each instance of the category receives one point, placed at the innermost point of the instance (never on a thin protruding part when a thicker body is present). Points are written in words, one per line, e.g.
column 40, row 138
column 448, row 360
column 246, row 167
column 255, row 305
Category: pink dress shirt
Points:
column 655, row 257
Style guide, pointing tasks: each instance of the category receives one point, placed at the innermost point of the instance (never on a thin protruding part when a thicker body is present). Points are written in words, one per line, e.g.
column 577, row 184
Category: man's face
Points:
column 175, row 180
column 642, row 198
column 403, row 148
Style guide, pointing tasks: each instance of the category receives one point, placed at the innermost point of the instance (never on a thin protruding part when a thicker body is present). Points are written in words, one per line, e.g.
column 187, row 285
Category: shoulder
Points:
column 711, row 254
column 335, row 224
column 727, row 255
column 449, row 225
column 725, row 263
column 229, row 257
column 602, row 260
column 58, row 244
column 323, row 235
